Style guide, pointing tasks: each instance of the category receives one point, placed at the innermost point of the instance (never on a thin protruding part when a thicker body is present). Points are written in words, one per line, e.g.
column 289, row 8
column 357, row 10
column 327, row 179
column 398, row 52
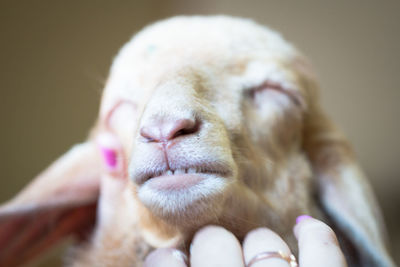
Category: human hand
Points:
column 215, row 246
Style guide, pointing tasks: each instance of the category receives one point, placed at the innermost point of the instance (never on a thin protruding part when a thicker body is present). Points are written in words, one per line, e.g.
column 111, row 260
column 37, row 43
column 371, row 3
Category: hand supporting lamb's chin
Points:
column 186, row 199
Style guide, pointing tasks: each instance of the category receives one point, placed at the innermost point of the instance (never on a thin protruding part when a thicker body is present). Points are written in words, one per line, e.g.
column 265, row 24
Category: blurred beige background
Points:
column 54, row 57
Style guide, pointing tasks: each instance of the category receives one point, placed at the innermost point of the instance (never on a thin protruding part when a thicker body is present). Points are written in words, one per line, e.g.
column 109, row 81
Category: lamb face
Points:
column 204, row 120
column 217, row 106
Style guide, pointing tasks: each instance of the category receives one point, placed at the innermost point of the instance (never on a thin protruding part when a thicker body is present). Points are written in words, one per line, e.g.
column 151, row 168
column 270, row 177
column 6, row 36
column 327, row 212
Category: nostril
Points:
column 169, row 129
column 183, row 127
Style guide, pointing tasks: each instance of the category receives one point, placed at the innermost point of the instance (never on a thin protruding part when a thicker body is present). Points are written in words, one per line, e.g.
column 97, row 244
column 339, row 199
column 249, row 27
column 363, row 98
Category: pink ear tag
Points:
column 109, row 148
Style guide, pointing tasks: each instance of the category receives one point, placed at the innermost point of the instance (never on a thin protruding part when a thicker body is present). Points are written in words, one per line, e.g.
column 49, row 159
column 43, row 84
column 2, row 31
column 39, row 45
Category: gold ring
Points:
column 274, row 254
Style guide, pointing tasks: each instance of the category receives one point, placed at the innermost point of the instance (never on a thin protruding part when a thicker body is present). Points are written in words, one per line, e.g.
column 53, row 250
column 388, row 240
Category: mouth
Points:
column 179, row 191
column 182, row 177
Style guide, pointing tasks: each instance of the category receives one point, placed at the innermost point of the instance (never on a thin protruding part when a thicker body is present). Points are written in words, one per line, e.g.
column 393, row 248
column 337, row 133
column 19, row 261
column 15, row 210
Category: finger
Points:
column 165, row 257
column 318, row 245
column 214, row 246
column 264, row 240
column 113, row 178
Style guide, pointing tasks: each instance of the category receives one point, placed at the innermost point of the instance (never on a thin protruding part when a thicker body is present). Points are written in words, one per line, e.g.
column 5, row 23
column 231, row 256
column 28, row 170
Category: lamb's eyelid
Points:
column 290, row 90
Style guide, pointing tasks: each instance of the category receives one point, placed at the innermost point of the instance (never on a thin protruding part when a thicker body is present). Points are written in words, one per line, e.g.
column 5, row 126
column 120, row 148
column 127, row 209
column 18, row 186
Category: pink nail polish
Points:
column 110, row 157
column 302, row 218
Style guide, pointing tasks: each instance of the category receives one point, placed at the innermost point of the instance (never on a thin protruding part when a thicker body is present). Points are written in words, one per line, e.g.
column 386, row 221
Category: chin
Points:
column 185, row 200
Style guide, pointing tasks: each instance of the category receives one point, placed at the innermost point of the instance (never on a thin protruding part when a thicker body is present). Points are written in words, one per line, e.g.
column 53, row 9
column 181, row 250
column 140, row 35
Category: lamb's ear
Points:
column 344, row 192
column 60, row 202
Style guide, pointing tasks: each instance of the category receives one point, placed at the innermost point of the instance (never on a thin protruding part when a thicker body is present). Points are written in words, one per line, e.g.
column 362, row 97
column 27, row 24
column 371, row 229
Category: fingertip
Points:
column 215, row 246
column 300, row 220
column 260, row 234
column 204, row 234
column 166, row 257
column 212, row 235
column 210, row 231
column 317, row 238
column 309, row 225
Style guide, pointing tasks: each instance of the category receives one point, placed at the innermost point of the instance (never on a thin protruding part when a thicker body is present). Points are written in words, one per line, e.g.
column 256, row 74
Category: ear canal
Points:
column 344, row 191
column 58, row 203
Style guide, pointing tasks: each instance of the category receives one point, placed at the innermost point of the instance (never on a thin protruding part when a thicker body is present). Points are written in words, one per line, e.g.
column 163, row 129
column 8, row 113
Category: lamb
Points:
column 203, row 120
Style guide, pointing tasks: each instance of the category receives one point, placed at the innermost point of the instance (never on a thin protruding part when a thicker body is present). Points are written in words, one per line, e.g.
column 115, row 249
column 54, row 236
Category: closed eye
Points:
column 270, row 85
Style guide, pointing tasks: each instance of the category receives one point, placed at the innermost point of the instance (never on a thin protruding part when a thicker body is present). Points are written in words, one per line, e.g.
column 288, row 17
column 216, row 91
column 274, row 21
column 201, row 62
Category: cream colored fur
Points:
column 275, row 154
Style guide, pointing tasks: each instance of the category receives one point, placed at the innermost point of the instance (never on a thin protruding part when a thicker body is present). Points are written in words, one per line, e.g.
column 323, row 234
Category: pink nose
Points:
column 167, row 130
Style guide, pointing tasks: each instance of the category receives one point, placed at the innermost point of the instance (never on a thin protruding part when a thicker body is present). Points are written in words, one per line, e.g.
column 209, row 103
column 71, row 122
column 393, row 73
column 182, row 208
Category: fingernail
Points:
column 302, row 218
column 179, row 255
column 108, row 146
column 110, row 157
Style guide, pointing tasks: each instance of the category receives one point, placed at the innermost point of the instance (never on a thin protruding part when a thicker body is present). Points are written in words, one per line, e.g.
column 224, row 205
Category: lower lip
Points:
column 175, row 182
